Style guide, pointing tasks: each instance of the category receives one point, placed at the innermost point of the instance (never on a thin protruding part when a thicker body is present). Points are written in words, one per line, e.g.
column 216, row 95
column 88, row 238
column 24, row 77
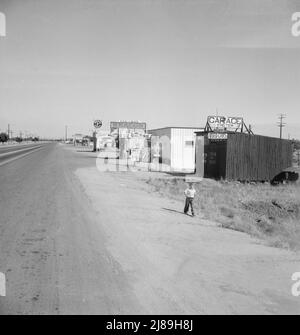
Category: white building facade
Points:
column 174, row 147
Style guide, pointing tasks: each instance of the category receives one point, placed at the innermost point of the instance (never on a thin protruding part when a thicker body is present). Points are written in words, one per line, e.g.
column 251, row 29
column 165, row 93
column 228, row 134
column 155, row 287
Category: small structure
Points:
column 173, row 148
column 131, row 140
column 77, row 139
column 235, row 153
column 105, row 141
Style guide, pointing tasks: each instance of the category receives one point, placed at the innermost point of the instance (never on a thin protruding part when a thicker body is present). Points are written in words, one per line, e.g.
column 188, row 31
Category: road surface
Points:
column 15, row 147
column 9, row 153
column 74, row 240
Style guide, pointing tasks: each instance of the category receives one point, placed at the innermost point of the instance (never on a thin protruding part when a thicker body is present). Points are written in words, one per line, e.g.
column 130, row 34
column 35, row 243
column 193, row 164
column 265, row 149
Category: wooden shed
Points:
column 240, row 156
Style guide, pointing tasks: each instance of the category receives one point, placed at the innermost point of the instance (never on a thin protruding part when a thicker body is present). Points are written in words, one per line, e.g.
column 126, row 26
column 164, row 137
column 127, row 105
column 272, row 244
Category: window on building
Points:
column 189, row 143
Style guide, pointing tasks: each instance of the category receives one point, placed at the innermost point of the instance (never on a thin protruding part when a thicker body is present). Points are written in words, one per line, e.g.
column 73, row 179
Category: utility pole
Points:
column 280, row 123
column 66, row 133
column 8, row 130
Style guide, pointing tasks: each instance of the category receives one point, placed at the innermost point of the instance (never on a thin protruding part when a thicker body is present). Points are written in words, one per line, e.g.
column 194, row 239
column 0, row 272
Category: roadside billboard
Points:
column 223, row 123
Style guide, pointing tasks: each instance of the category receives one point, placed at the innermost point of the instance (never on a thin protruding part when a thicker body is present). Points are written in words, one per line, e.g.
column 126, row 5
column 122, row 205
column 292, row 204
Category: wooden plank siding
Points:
column 255, row 157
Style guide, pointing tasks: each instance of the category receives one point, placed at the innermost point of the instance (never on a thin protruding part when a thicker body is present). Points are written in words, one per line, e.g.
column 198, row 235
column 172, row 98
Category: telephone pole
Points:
column 66, row 133
column 280, row 123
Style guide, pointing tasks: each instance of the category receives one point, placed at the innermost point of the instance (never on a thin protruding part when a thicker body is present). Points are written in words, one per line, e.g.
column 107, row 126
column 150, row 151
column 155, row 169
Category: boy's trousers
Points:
column 188, row 203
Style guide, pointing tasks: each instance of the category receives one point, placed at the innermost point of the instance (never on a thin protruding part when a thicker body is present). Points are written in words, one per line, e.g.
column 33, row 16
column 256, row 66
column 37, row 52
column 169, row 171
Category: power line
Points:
column 281, row 124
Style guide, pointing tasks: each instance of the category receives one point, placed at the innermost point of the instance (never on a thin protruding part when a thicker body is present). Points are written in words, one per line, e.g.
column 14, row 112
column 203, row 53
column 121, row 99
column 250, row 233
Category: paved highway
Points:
column 51, row 249
column 15, row 147
column 13, row 152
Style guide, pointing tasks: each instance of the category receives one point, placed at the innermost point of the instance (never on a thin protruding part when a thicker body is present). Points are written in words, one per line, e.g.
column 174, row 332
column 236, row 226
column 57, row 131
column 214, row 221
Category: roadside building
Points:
column 173, row 148
column 296, row 157
column 131, row 139
column 105, row 141
column 227, row 149
column 77, row 139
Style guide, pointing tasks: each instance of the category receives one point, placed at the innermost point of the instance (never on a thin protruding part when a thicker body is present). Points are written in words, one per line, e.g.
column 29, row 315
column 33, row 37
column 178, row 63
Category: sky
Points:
column 168, row 63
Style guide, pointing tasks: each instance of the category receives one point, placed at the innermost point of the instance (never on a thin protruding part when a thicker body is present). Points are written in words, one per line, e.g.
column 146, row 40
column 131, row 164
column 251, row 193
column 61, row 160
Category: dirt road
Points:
column 77, row 240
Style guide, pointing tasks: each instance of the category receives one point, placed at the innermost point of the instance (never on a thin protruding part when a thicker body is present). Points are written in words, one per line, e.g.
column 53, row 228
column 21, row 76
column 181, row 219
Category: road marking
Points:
column 15, row 151
column 20, row 156
column 18, row 145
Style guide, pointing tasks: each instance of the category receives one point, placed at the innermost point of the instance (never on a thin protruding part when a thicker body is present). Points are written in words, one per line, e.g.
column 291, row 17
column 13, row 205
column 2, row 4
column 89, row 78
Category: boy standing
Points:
column 190, row 194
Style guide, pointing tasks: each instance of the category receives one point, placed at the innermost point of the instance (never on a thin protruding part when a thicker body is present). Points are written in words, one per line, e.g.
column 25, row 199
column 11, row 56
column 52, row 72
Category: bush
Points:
column 19, row 139
column 3, row 137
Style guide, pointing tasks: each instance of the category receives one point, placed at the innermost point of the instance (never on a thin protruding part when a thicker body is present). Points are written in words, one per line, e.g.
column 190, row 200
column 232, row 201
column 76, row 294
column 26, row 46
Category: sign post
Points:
column 97, row 124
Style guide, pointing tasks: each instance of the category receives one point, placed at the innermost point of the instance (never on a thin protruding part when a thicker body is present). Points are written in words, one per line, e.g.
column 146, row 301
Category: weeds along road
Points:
column 74, row 240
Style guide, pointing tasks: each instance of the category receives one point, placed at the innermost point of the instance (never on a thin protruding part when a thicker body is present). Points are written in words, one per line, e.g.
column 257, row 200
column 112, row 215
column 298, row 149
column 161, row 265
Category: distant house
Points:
column 78, row 138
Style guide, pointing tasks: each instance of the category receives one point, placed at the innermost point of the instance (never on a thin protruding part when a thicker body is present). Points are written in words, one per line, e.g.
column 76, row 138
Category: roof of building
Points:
column 200, row 128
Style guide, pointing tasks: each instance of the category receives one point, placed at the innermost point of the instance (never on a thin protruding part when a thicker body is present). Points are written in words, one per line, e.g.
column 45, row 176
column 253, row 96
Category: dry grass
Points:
column 261, row 210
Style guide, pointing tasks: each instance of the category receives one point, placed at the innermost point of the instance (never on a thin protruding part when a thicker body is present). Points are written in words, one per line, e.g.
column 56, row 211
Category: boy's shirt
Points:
column 190, row 192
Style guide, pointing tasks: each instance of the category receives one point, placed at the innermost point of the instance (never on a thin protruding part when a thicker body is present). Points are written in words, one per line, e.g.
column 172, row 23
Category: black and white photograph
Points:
column 149, row 160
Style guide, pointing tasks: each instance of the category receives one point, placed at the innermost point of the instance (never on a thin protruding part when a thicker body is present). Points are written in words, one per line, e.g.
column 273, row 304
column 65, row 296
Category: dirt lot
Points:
column 179, row 264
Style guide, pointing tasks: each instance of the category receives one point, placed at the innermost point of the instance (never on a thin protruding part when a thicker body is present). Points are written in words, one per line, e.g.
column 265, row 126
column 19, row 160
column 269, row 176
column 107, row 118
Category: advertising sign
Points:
column 97, row 123
column 128, row 125
column 222, row 123
column 217, row 136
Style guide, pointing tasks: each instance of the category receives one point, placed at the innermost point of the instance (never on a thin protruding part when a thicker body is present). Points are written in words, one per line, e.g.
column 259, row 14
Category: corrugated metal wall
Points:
column 255, row 157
